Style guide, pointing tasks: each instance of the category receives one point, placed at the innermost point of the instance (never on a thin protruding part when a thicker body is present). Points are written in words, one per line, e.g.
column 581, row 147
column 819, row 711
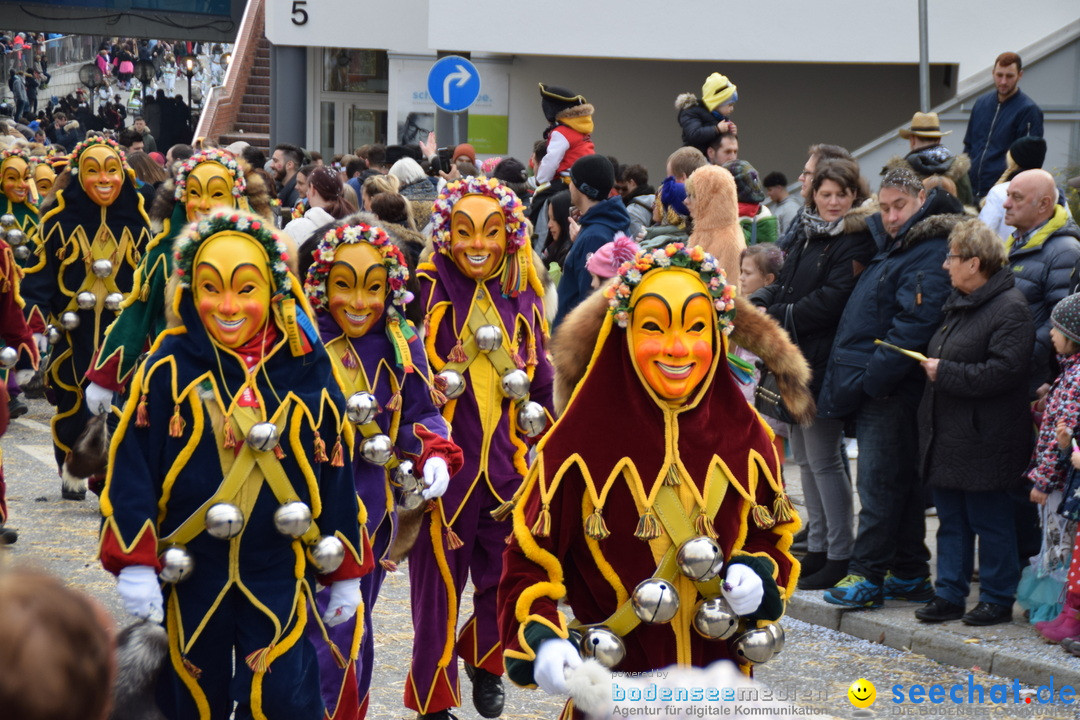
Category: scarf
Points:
column 815, row 225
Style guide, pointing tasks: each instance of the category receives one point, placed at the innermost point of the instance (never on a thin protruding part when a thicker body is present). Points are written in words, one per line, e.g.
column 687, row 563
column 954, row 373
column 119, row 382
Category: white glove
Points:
column 743, row 589
column 553, row 659
column 344, row 599
column 42, row 343
column 140, row 589
column 436, row 477
column 98, row 399
column 23, row 376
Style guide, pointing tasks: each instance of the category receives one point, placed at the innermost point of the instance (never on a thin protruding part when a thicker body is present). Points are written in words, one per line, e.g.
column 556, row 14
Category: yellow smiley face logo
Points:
column 862, row 693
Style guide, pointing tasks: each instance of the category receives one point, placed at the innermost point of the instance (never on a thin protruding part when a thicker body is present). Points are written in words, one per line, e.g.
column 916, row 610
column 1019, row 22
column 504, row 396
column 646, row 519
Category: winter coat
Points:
column 898, row 299
column 974, row 425
column 992, row 128
column 698, row 123
column 598, row 227
column 639, row 204
column 305, row 226
column 761, row 228
column 817, row 278
column 1043, row 266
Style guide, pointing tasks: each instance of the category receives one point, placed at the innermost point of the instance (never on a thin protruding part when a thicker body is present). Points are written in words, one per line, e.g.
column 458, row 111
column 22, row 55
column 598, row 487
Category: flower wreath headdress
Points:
column 513, row 209
column 217, row 155
column 18, row 152
column 675, row 255
column 188, row 244
column 92, row 141
column 323, row 255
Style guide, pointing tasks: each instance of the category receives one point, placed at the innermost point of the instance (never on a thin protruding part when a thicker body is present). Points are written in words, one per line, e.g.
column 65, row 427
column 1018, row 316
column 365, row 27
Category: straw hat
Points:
column 924, row 125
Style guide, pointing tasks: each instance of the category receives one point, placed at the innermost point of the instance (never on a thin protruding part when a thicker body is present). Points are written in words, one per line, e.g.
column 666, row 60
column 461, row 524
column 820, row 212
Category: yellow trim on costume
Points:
column 605, row 568
column 172, row 624
column 300, row 613
column 439, row 551
column 109, row 522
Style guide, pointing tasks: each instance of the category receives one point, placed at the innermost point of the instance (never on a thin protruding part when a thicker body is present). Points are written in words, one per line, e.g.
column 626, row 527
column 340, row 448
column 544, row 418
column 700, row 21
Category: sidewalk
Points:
column 1012, row 650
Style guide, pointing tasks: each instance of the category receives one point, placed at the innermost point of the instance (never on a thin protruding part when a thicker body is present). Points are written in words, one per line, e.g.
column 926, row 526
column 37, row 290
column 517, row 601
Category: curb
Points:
column 1010, row 650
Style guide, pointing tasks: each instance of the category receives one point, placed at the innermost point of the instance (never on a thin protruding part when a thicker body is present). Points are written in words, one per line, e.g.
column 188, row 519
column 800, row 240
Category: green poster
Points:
column 489, row 134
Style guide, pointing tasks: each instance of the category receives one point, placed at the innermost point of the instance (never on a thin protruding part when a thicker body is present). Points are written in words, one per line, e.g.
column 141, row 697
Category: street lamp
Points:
column 225, row 60
column 90, row 76
column 144, row 73
column 188, row 64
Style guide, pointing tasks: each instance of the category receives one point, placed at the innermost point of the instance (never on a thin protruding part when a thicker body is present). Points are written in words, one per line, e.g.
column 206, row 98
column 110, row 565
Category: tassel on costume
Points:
column 453, row 542
column 348, row 360
column 542, row 526
column 518, row 361
column 783, row 510
column 648, row 527
column 192, row 670
column 457, row 353
column 337, row 458
column 176, row 423
column 144, row 293
column 395, row 402
column 438, row 399
column 258, row 661
column 320, row 448
column 704, row 525
column 279, row 453
column 142, row 413
column 388, row 565
column 230, row 436
column 503, row 511
column 672, row 477
column 762, row 517
column 339, row 659
column 595, row 527
column 531, row 360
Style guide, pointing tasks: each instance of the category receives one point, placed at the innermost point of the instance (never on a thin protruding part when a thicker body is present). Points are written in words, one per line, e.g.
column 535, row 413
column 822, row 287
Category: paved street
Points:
column 814, row 671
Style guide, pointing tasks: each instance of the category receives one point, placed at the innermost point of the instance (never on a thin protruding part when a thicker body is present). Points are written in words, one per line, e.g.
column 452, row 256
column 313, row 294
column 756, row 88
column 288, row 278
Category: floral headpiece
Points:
column 516, row 230
column 397, row 271
column 188, row 244
column 679, row 256
column 221, row 157
column 92, row 141
column 18, row 152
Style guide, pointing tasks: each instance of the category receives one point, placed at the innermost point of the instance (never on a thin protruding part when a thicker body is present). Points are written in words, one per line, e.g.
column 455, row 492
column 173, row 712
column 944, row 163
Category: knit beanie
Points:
column 464, row 150
column 605, row 262
column 673, row 195
column 1066, row 317
column 717, row 91
column 747, row 183
column 1028, row 152
column 593, row 176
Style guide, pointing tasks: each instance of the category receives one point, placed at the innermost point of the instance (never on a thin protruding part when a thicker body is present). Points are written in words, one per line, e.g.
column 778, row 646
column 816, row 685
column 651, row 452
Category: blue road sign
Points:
column 453, row 83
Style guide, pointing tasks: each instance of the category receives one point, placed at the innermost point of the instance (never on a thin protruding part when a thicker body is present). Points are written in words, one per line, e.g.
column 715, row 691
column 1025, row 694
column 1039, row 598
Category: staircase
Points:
column 240, row 108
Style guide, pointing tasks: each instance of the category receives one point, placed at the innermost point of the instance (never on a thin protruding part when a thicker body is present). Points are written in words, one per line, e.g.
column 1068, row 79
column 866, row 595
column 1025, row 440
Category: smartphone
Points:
column 446, row 155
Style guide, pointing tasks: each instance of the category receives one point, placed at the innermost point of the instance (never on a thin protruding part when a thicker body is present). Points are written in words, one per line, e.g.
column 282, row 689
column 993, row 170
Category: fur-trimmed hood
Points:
column 583, row 110
column 716, row 216
column 928, row 162
column 687, row 100
column 935, row 219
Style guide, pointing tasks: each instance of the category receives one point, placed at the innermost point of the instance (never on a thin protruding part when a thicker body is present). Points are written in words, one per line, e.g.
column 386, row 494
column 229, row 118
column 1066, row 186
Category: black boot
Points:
column 811, row 563
column 487, row 691
column 831, row 573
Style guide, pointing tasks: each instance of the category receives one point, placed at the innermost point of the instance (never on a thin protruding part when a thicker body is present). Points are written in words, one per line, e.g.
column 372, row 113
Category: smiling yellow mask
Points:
column 44, row 177
column 209, row 186
column 478, row 236
column 231, row 288
column 101, row 174
column 356, row 288
column 15, row 179
column 672, row 333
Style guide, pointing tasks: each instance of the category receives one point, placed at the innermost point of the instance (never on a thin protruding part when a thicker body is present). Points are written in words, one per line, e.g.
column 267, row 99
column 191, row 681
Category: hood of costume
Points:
column 716, row 217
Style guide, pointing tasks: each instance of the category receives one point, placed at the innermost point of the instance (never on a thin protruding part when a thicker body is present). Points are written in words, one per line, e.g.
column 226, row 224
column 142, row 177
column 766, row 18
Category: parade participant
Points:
column 680, row 523
column 356, row 285
column 44, row 177
column 16, row 178
column 227, row 475
column 486, row 336
column 208, row 180
column 90, row 242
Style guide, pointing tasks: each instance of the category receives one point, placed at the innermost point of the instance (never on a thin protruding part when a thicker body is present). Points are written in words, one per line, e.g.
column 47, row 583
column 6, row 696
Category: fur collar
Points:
column 582, row 110
column 685, row 101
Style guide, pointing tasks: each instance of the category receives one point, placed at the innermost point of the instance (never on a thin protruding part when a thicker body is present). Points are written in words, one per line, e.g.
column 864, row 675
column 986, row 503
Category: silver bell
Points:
column 328, row 554
column 52, row 335
column 361, row 407
column 9, row 356
column 602, row 645
column 22, row 252
column 86, row 300
column 515, row 384
column 778, row 637
column 69, row 320
column 455, row 383
column 176, row 565
column 262, row 436
column 15, row 237
column 7, row 220
column 412, row 488
column 292, row 519
column 102, row 268
column 655, row 601
column 755, row 646
column 715, row 619
column 532, row 419
column 700, row 559
column 377, row 449
column 113, row 301
column 489, row 337
column 224, row 521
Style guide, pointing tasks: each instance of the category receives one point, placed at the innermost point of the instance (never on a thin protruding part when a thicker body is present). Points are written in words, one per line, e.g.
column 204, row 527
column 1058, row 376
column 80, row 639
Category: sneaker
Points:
column 857, row 592
column 913, row 590
column 17, row 408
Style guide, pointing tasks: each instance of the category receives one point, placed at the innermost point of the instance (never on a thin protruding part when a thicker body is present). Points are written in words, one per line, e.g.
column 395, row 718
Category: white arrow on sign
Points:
column 462, row 76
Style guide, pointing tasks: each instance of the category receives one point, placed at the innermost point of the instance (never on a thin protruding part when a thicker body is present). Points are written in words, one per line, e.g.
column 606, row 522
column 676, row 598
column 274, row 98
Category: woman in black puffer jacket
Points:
column 829, row 251
column 974, row 425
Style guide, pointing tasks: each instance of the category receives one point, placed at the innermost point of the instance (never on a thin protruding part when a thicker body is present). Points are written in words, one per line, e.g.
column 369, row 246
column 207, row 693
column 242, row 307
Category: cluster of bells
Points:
column 531, row 417
column 361, row 408
column 656, row 601
column 225, row 521
column 15, row 237
column 87, row 300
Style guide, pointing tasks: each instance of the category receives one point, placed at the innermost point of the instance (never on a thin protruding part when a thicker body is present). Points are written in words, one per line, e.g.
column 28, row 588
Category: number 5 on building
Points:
column 299, row 12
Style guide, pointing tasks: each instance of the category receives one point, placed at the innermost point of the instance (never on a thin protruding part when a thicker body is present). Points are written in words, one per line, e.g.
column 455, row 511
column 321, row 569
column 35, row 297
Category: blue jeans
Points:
column 963, row 515
column 892, row 520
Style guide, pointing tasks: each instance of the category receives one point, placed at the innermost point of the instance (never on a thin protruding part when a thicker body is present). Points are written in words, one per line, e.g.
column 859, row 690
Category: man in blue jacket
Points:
column 591, row 180
column 898, row 299
column 999, row 118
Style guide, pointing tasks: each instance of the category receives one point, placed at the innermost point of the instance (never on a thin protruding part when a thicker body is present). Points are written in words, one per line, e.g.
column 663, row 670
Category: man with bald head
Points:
column 1043, row 249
